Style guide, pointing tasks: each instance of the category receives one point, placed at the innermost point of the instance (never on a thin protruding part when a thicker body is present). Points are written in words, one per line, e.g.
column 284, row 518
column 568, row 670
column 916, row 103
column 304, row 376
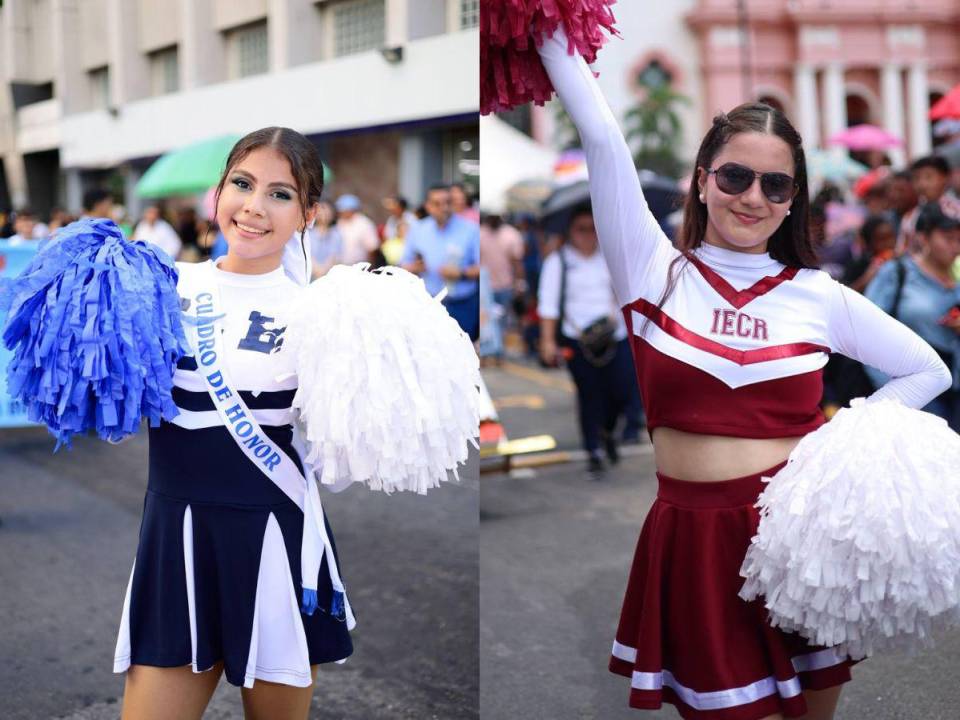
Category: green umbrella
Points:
column 833, row 165
column 189, row 170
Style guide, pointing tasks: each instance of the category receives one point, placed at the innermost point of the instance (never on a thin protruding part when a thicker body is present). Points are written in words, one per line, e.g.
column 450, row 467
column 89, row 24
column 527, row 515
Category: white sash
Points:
column 249, row 436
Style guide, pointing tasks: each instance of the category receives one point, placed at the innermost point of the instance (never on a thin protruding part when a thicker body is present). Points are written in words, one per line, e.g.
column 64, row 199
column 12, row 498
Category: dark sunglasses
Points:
column 733, row 179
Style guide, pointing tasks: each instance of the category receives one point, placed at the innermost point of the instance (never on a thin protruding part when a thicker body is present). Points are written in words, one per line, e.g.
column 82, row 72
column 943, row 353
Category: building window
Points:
column 469, row 14
column 164, row 71
column 461, row 154
column 358, row 25
column 248, row 50
column 654, row 76
column 99, row 88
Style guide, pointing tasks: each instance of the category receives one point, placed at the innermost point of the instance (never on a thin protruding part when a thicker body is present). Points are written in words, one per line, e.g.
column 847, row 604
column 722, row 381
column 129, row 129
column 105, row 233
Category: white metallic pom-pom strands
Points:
column 387, row 380
column 859, row 538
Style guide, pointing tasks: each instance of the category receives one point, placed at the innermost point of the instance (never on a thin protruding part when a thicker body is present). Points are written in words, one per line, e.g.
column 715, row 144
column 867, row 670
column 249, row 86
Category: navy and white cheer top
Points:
column 256, row 308
column 739, row 346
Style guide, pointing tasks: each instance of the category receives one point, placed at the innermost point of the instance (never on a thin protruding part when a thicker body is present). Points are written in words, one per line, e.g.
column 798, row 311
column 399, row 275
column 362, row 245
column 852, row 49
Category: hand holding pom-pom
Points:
column 94, row 323
column 511, row 73
column 859, row 537
column 387, row 380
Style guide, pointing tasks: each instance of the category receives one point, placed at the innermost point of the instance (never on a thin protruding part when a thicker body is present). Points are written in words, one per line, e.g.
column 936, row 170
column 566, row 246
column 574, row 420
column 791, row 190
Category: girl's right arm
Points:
column 635, row 247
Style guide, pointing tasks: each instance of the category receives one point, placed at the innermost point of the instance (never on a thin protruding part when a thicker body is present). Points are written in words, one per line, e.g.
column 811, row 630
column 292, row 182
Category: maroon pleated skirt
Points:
column 686, row 638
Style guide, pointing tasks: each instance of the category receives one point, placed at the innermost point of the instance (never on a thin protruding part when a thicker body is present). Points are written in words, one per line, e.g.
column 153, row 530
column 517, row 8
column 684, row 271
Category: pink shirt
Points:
column 499, row 249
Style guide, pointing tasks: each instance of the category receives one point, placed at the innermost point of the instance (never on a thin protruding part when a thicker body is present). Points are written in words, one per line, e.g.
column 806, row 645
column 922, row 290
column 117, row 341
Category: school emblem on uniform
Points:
column 261, row 338
column 739, row 324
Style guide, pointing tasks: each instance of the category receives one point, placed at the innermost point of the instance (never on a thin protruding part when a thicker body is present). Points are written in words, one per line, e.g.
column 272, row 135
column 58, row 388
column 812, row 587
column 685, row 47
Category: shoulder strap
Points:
column 563, row 291
column 901, row 279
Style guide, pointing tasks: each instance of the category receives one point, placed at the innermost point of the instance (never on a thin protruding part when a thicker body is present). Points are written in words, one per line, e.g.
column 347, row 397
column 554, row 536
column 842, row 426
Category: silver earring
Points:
column 703, row 198
column 788, row 212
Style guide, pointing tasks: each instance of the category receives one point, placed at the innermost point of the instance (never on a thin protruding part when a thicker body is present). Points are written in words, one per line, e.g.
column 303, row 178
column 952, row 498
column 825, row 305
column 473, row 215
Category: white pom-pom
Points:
column 859, row 537
column 387, row 381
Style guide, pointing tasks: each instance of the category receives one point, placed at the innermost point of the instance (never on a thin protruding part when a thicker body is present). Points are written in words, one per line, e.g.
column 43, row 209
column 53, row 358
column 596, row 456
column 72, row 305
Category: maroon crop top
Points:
column 681, row 396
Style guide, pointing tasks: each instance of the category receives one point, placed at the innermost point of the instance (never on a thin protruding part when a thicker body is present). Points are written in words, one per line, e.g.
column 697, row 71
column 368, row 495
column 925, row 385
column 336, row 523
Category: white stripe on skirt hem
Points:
column 733, row 697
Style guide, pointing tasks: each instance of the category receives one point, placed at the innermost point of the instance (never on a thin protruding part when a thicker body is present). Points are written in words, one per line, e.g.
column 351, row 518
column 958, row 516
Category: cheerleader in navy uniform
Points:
column 216, row 585
column 730, row 331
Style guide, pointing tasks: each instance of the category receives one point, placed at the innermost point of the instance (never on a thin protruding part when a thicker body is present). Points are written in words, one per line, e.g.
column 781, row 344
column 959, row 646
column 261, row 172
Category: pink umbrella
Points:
column 865, row 137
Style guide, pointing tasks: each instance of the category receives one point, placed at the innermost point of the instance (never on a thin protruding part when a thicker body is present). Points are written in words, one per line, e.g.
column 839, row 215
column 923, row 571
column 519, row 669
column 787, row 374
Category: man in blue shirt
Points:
column 444, row 250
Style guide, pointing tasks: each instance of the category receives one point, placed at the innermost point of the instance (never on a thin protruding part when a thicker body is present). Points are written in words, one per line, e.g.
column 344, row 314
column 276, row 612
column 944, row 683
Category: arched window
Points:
column 858, row 110
column 654, row 75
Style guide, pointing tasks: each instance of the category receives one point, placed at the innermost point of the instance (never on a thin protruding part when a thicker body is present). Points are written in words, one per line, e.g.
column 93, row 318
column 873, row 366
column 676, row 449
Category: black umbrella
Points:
column 661, row 192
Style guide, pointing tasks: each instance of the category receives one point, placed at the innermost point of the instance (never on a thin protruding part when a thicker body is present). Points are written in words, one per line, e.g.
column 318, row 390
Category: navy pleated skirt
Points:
column 217, row 571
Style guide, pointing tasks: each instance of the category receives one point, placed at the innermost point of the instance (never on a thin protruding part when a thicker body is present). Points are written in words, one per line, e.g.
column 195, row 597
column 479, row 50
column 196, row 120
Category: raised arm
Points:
column 635, row 248
column 861, row 330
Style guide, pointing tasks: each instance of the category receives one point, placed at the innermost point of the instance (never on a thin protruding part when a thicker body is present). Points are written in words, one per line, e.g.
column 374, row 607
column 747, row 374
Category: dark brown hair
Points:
column 305, row 164
column 791, row 243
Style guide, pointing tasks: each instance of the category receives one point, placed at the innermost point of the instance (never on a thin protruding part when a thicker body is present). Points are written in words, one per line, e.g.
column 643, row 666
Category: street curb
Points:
column 505, row 463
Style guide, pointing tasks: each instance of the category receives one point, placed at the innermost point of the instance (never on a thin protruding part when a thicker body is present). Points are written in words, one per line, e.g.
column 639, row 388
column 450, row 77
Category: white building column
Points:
column 74, row 190
column 397, row 23
column 410, row 175
column 13, row 33
column 835, row 100
column 129, row 67
column 918, row 102
column 295, row 33
column 808, row 109
column 891, row 91
column 133, row 202
column 16, row 179
column 70, row 80
column 201, row 52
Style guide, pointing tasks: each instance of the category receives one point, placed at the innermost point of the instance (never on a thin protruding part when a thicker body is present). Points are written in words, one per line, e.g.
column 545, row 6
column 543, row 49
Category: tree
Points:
column 652, row 126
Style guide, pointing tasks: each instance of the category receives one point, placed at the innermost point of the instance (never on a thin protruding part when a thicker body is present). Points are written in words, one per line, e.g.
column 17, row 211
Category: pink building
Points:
column 831, row 63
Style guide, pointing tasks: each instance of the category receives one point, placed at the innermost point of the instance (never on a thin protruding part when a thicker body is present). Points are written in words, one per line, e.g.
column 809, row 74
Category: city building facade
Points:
column 93, row 91
column 828, row 64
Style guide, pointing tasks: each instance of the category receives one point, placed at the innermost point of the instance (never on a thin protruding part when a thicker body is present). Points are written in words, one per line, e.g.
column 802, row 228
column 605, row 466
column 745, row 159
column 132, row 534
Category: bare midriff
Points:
column 711, row 458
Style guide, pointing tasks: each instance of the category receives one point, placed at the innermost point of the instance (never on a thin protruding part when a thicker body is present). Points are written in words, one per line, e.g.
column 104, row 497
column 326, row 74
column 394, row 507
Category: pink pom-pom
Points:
column 511, row 73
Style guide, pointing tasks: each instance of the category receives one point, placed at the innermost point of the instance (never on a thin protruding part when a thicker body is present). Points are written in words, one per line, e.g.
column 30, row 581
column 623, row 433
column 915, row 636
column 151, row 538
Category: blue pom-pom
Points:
column 94, row 326
column 310, row 602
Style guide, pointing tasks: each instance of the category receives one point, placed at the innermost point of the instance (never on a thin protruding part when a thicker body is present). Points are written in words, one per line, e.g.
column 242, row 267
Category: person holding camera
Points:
column 580, row 321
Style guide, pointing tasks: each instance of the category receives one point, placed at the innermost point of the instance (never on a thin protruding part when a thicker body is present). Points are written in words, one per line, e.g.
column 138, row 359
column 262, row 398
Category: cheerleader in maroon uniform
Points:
column 730, row 332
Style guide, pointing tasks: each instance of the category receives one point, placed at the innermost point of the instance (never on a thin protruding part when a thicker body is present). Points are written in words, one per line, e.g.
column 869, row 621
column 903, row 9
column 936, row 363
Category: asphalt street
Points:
column 555, row 550
column 68, row 531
